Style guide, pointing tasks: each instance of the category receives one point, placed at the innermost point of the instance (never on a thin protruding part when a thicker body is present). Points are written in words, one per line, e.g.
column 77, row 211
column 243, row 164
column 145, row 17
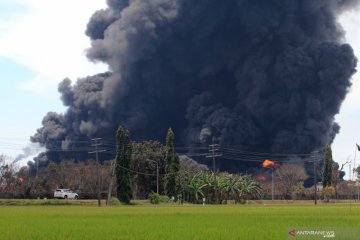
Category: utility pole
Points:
column 355, row 175
column 112, row 174
column 354, row 162
column 314, row 156
column 213, row 149
column 357, row 183
column 272, row 183
column 157, row 178
column 350, row 184
column 96, row 144
column 157, row 174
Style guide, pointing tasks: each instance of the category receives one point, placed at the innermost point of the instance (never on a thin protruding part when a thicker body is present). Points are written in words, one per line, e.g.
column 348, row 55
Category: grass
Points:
column 44, row 202
column 253, row 221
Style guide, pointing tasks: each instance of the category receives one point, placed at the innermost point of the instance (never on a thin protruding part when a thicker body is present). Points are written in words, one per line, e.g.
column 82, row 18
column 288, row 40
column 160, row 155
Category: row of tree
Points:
column 27, row 182
column 179, row 176
column 81, row 177
column 230, row 187
column 177, row 182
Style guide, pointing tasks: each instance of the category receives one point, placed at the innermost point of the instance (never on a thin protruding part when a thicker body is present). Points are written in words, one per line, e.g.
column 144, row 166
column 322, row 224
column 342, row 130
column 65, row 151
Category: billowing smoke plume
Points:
column 29, row 152
column 264, row 75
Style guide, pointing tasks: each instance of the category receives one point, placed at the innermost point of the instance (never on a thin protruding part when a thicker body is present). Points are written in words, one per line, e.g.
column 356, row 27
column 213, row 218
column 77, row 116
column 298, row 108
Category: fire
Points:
column 261, row 177
column 268, row 163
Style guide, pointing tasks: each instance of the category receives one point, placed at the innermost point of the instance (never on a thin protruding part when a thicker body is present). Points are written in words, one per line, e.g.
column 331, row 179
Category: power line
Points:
column 96, row 144
column 234, row 154
column 213, row 149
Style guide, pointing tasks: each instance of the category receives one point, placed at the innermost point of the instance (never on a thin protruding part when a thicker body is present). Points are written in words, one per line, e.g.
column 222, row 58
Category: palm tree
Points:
column 248, row 187
column 195, row 186
column 208, row 180
column 231, row 186
column 221, row 184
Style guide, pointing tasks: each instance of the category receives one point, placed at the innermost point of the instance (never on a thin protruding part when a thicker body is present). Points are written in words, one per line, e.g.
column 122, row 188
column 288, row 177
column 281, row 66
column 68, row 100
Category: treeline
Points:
column 29, row 182
column 148, row 168
column 142, row 169
column 195, row 181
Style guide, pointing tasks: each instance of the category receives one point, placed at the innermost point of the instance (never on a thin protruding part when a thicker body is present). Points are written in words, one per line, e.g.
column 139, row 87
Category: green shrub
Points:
column 154, row 198
column 114, row 201
column 164, row 199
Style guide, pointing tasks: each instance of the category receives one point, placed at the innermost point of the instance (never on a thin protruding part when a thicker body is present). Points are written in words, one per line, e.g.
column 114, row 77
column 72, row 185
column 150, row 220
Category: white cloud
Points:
column 49, row 39
column 344, row 145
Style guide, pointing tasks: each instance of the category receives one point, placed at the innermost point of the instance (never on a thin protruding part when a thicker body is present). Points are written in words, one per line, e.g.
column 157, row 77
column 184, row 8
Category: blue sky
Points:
column 7, row 8
column 42, row 42
column 39, row 47
column 18, row 105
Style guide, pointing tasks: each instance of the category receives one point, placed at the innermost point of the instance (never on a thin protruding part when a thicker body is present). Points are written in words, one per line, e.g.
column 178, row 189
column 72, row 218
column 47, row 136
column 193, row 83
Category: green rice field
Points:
column 250, row 221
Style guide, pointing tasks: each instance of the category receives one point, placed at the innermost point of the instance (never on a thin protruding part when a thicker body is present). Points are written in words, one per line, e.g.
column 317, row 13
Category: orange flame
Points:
column 262, row 177
column 268, row 163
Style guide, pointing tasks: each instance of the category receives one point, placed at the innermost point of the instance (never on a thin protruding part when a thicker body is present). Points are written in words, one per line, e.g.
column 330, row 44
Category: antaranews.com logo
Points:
column 346, row 233
column 311, row 234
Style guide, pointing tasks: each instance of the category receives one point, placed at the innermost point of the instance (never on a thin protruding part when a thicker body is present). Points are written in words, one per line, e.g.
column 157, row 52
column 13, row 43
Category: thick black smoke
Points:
column 264, row 75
